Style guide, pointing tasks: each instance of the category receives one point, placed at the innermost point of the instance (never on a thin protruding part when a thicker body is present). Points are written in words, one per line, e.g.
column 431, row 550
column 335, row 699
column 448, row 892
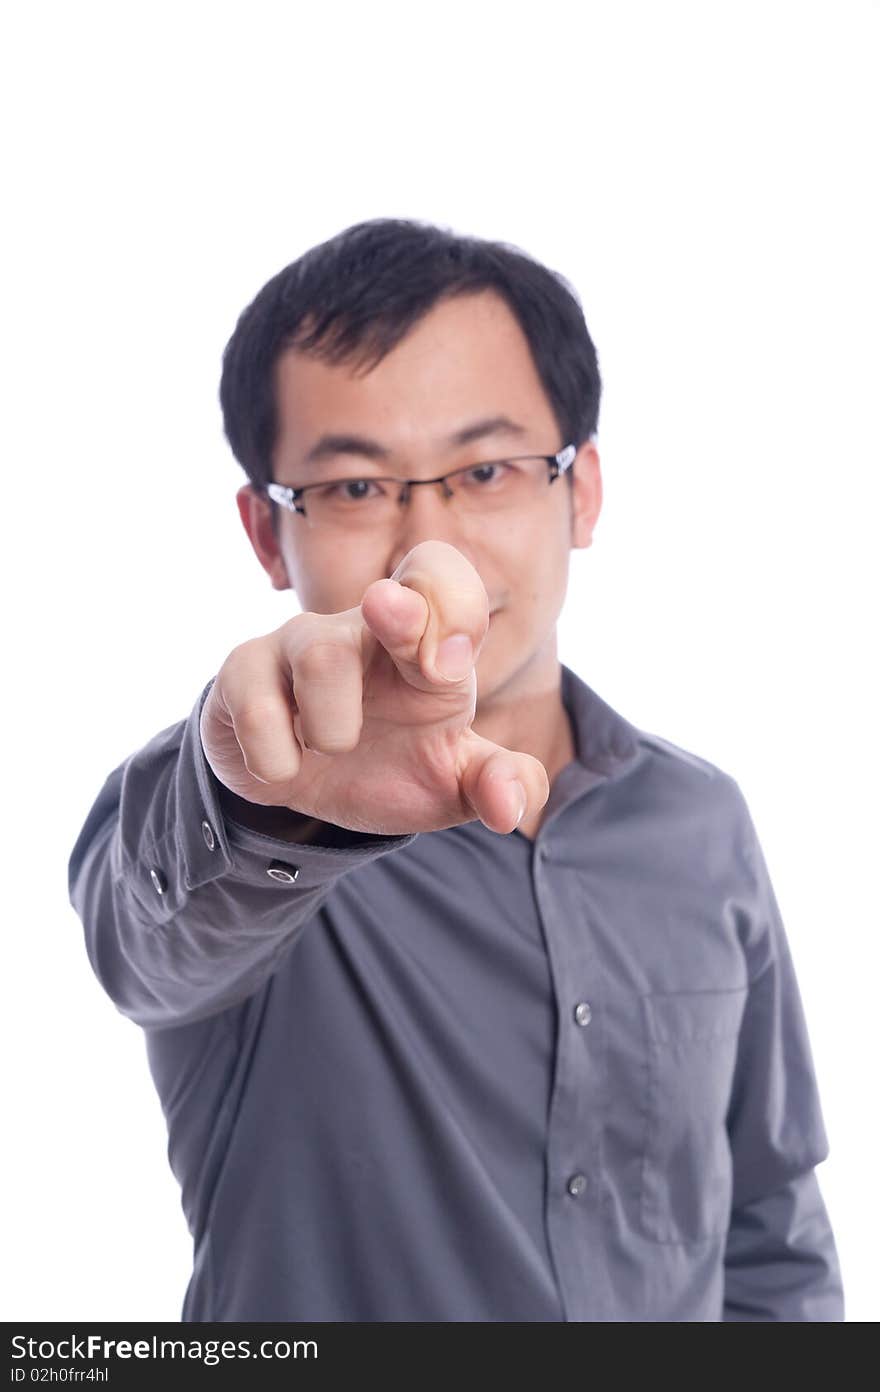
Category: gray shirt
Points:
column 467, row 1076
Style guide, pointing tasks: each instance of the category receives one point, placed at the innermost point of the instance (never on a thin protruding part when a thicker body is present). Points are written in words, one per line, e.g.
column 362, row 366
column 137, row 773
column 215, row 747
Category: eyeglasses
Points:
column 497, row 486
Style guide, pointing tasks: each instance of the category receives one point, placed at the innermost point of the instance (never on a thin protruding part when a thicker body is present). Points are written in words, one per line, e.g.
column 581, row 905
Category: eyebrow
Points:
column 328, row 446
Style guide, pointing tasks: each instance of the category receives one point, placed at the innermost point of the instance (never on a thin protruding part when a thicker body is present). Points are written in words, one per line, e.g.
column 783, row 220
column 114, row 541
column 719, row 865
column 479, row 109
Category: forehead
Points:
column 466, row 358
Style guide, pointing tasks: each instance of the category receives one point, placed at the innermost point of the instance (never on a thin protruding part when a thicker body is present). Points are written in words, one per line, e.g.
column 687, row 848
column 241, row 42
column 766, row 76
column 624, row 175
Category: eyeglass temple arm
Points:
column 563, row 460
column 286, row 496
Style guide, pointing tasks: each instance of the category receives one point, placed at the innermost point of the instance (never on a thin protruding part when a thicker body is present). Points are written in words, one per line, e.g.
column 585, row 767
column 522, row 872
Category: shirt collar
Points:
column 606, row 744
column 605, row 741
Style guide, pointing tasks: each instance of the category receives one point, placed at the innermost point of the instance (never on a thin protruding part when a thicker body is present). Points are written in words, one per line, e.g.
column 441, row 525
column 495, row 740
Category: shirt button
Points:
column 285, row 874
column 208, row 833
column 160, row 884
column 582, row 1013
column 577, row 1184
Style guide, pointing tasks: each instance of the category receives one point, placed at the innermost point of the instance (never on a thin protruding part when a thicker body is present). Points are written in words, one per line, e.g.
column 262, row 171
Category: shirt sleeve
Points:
column 781, row 1261
column 181, row 915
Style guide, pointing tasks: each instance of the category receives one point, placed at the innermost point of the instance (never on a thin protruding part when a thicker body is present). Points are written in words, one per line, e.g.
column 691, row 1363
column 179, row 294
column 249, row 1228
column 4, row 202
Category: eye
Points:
column 485, row 474
column 350, row 490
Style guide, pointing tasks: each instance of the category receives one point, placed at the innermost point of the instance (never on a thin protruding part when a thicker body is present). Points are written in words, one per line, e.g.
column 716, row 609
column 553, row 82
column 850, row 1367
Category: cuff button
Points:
column 285, row 874
column 160, row 884
column 208, row 833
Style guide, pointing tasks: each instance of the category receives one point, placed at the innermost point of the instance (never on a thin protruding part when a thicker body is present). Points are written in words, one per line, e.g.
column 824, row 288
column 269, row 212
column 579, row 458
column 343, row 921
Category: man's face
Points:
column 467, row 360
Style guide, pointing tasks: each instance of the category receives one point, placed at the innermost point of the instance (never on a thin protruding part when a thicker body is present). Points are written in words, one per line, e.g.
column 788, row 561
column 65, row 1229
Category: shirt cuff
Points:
column 211, row 844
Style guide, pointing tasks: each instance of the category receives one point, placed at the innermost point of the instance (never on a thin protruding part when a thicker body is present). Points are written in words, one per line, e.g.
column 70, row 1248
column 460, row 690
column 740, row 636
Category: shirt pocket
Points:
column 687, row 1171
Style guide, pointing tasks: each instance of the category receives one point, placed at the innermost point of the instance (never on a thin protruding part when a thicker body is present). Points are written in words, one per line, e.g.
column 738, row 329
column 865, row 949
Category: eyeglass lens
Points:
column 373, row 502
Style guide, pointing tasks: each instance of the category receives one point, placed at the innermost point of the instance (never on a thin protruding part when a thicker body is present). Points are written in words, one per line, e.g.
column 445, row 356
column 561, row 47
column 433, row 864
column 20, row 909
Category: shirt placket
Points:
column 574, row 1133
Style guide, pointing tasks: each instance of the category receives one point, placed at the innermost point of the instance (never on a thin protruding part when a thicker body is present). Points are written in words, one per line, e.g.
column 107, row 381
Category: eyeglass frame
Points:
column 286, row 495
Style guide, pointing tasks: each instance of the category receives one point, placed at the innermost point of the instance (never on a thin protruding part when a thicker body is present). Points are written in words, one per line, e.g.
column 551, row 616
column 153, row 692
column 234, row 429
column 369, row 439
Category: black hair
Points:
column 355, row 296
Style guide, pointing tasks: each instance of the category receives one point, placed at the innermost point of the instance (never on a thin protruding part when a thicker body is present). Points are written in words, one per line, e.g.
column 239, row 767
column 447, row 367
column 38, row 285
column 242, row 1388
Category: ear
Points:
column 586, row 495
column 255, row 511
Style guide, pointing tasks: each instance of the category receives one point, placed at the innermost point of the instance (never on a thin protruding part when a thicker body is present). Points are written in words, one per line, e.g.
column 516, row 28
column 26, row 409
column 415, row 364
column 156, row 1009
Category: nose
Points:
column 429, row 516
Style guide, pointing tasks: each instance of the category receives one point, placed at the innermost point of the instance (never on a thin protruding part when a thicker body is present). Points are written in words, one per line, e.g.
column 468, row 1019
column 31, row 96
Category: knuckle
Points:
column 308, row 626
column 255, row 716
column 299, row 621
column 323, row 660
column 242, row 659
column 248, row 649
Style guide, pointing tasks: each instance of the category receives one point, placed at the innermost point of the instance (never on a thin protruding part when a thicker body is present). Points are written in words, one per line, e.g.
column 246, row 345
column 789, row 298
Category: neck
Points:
column 526, row 713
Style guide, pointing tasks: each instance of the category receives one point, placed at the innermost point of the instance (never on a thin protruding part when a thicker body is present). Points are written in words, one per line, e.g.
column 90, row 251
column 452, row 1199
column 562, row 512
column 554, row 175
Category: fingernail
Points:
column 521, row 793
column 455, row 657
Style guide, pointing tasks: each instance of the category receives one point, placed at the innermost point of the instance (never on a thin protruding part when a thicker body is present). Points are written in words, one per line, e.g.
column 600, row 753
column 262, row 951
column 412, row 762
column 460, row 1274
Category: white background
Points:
column 705, row 175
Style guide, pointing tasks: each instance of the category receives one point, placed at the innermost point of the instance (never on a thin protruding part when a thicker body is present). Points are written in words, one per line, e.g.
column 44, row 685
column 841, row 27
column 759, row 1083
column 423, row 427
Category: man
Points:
column 465, row 999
